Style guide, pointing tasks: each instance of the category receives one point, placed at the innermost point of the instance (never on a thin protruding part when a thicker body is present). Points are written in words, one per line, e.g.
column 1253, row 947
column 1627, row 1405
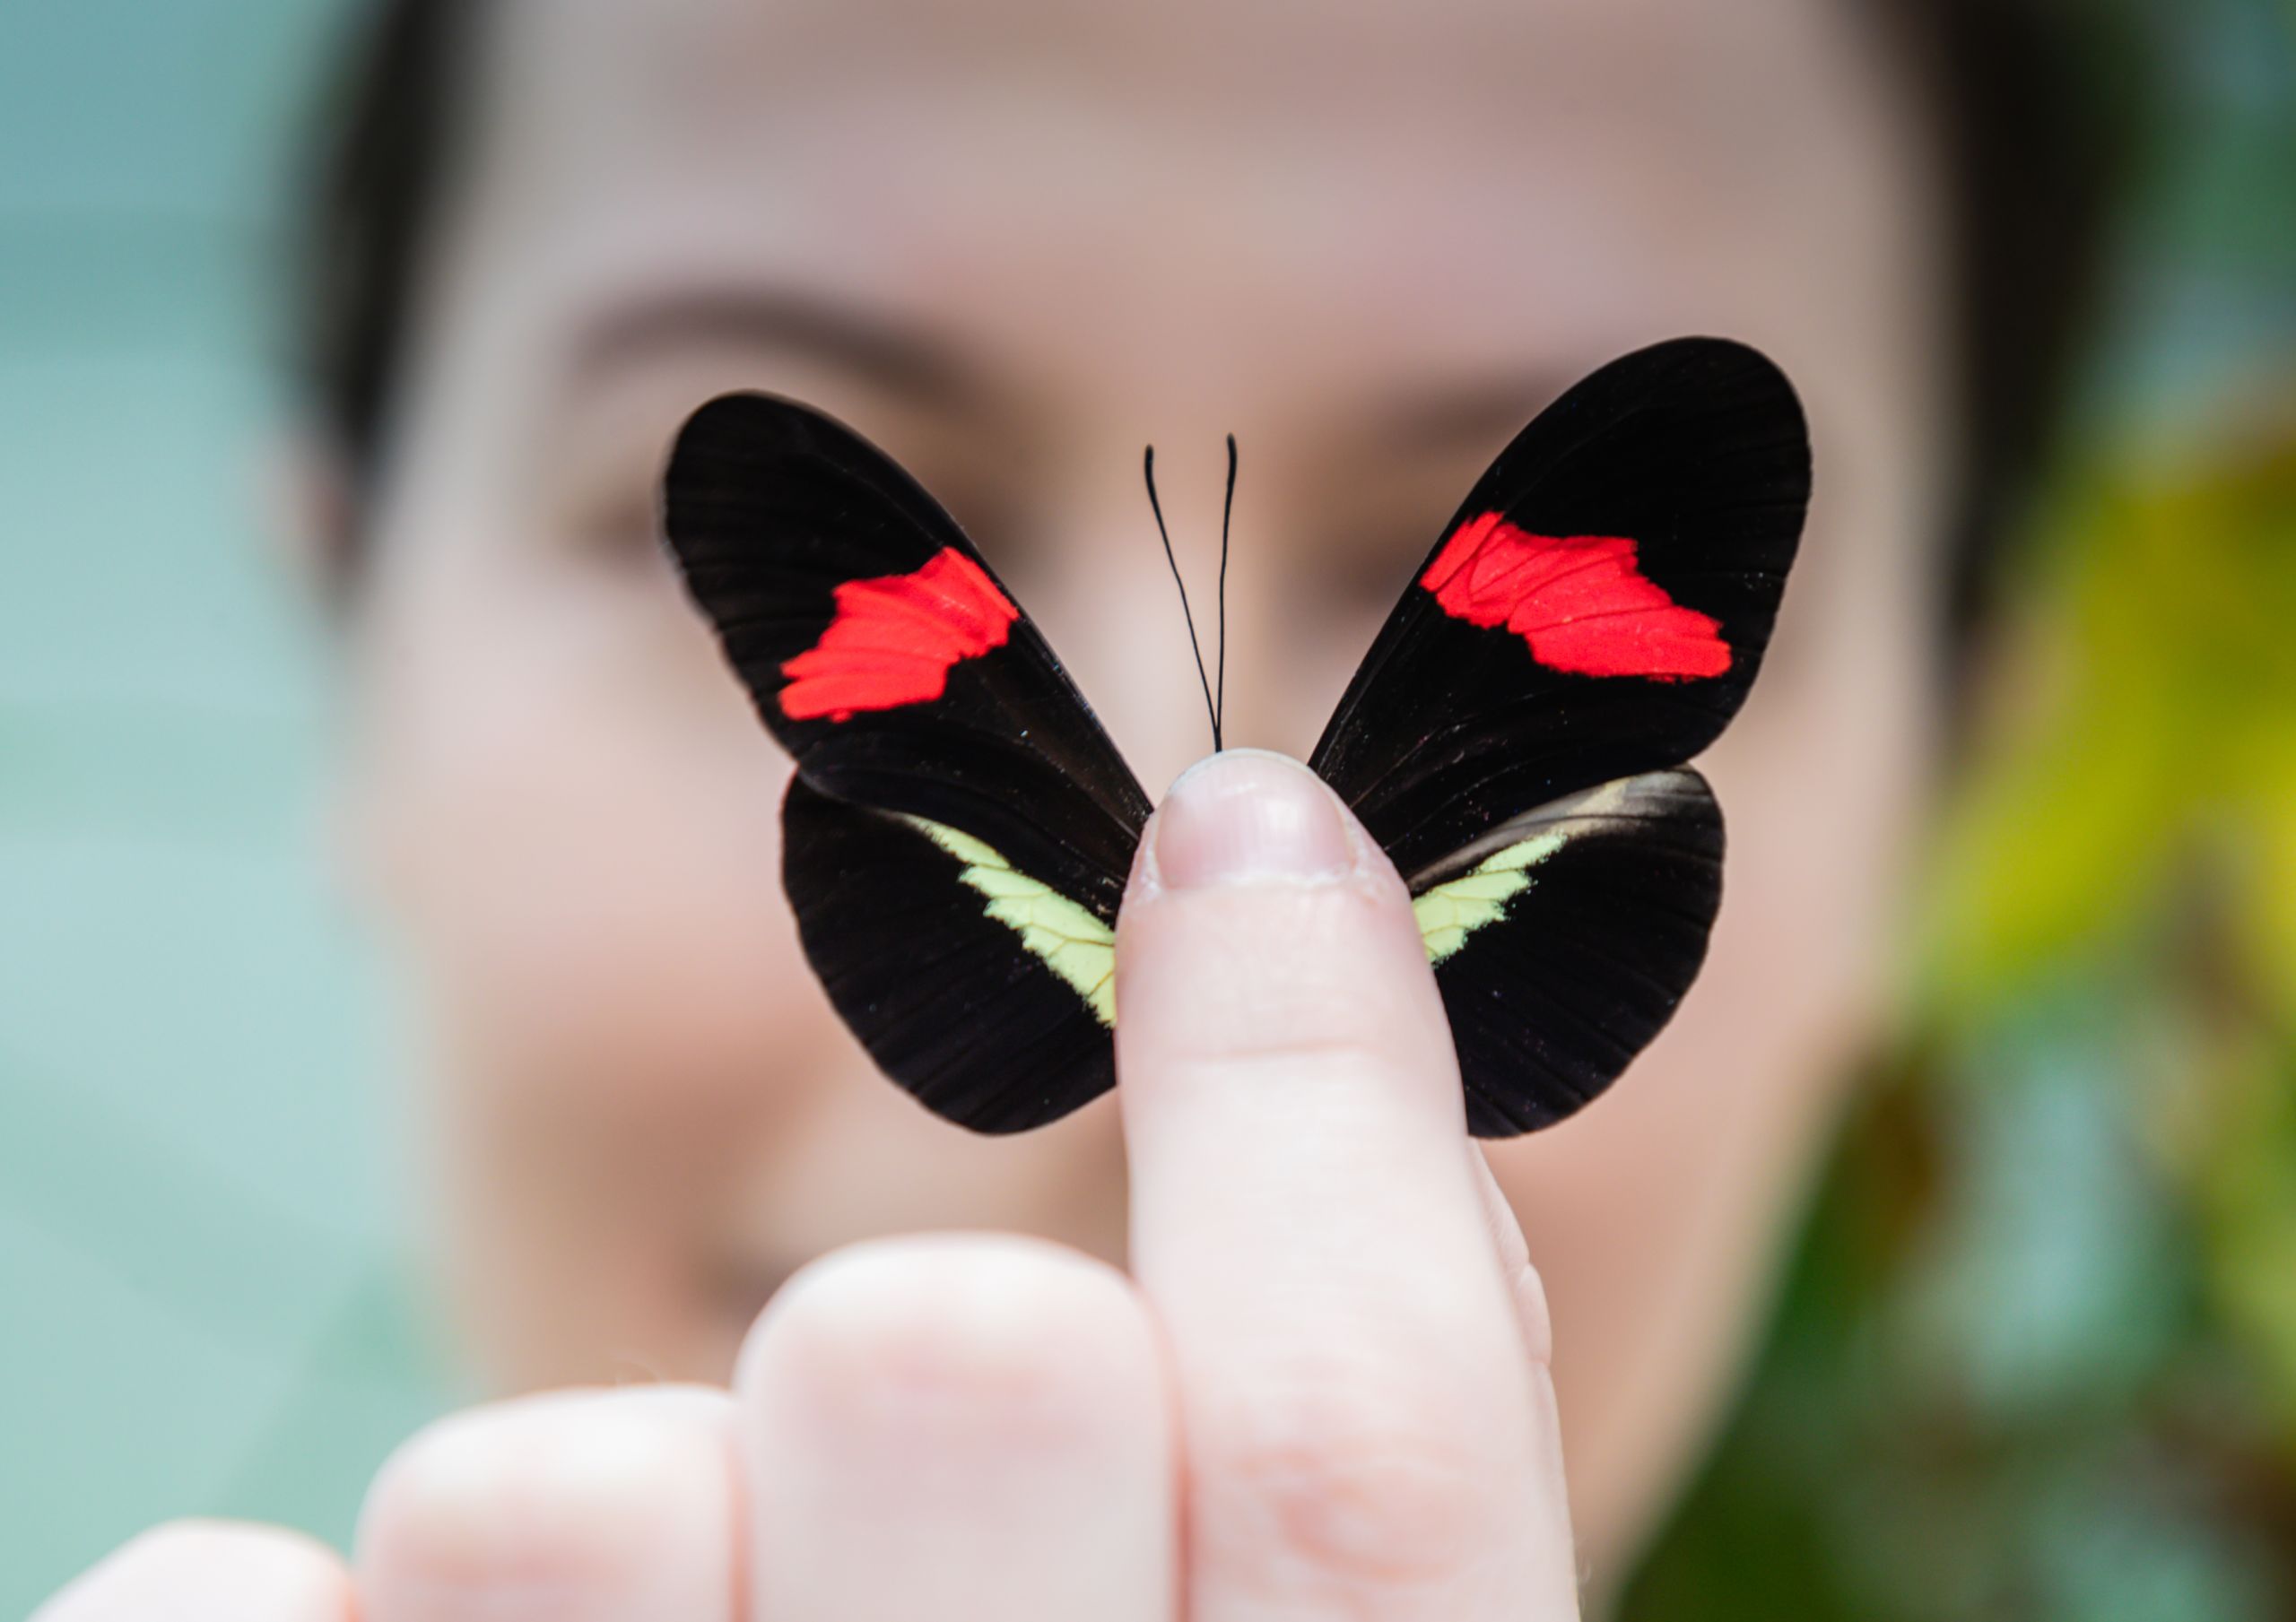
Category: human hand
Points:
column 1322, row 1393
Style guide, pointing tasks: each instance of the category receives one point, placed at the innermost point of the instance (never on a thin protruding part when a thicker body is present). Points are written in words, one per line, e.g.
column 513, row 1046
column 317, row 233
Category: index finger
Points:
column 1368, row 1426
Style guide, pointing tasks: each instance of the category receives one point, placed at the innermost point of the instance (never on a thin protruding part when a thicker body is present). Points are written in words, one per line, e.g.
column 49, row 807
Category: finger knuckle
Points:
column 567, row 1489
column 1373, row 1481
column 265, row 1574
column 916, row 1340
column 1527, row 1289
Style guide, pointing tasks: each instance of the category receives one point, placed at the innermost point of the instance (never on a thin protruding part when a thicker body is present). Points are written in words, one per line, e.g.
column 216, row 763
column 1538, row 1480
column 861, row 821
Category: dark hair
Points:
column 398, row 114
column 2033, row 140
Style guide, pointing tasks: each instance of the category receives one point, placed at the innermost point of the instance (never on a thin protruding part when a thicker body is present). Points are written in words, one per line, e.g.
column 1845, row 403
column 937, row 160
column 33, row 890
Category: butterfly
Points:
column 958, row 829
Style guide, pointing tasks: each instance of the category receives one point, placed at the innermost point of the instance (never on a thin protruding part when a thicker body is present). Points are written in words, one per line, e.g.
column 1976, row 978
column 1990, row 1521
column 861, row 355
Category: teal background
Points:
column 202, row 1204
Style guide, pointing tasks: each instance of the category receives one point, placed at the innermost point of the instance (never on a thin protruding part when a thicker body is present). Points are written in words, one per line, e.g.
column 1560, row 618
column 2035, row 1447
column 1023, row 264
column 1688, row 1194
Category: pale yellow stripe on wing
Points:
column 1065, row 936
column 1449, row 912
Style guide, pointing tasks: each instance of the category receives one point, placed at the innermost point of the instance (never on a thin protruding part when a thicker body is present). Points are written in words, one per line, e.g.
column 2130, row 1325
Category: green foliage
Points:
column 2160, row 715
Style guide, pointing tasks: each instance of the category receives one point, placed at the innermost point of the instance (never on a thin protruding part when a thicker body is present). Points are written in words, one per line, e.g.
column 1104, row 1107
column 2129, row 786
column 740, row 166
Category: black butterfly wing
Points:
column 1597, row 607
column 959, row 829
column 1563, row 939
column 984, row 993
column 882, row 650
column 1592, row 616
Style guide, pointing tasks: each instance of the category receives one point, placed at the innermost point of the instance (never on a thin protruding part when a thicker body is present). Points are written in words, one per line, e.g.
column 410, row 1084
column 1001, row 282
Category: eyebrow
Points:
column 899, row 359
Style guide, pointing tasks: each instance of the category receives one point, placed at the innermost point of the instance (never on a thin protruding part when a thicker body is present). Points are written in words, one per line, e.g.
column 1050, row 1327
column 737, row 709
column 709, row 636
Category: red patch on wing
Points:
column 1579, row 601
column 894, row 639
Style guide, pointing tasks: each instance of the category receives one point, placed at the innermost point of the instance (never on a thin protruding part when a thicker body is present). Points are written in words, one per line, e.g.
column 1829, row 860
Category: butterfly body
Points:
column 960, row 830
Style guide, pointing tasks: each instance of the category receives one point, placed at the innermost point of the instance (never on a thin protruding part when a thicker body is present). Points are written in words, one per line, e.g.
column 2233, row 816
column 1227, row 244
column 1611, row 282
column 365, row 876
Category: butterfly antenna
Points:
column 1226, row 512
column 1148, row 470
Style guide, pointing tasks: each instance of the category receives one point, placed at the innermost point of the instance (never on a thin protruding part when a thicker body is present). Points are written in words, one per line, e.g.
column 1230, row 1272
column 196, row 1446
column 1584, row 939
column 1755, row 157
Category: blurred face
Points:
column 1011, row 243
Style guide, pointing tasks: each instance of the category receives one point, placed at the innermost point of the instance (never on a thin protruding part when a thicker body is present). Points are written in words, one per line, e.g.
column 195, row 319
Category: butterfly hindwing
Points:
column 1564, row 938
column 1597, row 607
column 957, row 838
column 983, row 992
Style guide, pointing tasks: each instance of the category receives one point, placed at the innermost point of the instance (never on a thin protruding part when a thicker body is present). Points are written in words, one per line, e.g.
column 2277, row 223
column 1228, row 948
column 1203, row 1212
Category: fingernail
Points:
column 1243, row 815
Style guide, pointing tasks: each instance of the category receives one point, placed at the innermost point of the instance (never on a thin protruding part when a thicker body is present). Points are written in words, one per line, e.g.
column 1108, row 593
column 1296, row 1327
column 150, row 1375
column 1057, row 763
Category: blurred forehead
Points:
column 1344, row 71
column 1230, row 182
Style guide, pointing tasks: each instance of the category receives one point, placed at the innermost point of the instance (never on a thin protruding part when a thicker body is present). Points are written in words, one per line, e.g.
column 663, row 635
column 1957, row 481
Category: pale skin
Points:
column 1261, row 1337
column 1331, row 1316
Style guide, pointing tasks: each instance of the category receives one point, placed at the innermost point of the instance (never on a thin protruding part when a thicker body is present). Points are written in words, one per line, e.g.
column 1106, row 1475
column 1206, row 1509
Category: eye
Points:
column 998, row 517
column 1362, row 568
column 619, row 522
column 1372, row 572
column 597, row 487
column 997, row 521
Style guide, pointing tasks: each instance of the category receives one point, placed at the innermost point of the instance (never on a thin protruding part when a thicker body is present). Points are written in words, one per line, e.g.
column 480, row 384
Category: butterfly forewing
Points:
column 1597, row 607
column 958, row 835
